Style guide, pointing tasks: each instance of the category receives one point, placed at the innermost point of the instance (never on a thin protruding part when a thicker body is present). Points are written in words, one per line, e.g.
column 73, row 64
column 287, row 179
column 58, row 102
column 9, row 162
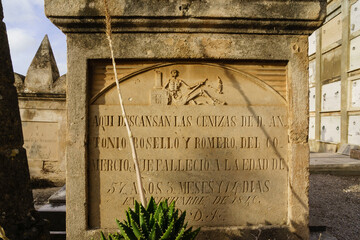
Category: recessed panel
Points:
column 330, row 129
column 312, row 71
column 311, row 127
column 355, row 94
column 354, row 130
column 331, row 32
column 41, row 140
column 204, row 139
column 312, row 44
column 331, row 96
column 312, row 103
column 355, row 17
column 355, row 54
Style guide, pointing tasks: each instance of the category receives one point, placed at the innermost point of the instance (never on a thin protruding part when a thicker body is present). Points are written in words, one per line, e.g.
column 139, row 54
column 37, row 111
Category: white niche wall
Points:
column 355, row 94
column 312, row 99
column 354, row 130
column 355, row 17
column 330, row 129
column 312, row 128
column 331, row 97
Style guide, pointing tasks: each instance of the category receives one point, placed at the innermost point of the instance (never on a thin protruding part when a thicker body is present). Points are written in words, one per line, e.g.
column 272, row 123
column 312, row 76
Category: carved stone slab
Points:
column 211, row 137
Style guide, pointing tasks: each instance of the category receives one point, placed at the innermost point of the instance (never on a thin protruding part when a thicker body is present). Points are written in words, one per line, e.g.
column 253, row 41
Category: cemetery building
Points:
column 334, row 79
column 42, row 104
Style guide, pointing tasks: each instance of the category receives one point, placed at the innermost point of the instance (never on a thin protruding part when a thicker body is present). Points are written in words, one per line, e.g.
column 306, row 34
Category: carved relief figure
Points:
column 177, row 96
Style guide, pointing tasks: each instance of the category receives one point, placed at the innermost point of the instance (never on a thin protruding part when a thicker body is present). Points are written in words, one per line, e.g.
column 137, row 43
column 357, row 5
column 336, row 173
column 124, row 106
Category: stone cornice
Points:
column 255, row 16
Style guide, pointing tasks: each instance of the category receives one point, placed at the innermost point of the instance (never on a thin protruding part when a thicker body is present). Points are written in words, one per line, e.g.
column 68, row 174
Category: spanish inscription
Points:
column 208, row 137
column 41, row 140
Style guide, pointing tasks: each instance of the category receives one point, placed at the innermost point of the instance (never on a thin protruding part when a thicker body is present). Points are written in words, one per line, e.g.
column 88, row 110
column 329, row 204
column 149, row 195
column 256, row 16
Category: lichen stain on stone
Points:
column 169, row 41
column 29, row 114
column 297, row 137
column 211, row 46
column 89, row 8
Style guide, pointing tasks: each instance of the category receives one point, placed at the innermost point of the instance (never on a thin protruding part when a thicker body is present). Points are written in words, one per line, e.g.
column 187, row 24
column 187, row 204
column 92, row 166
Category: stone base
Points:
column 316, row 146
column 265, row 233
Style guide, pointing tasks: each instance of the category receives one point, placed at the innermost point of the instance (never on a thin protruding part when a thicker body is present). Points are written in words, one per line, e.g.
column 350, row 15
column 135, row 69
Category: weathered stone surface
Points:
column 43, row 71
column 238, row 69
column 42, row 103
column 18, row 217
column 189, row 16
column 19, row 82
column 355, row 153
column 196, row 146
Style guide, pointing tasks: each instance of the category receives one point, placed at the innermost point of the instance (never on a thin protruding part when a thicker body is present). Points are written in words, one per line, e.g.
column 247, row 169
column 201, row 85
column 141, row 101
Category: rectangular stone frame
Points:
column 290, row 48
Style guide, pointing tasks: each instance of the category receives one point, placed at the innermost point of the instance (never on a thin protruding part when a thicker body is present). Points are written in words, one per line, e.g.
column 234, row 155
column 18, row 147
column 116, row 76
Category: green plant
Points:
column 156, row 222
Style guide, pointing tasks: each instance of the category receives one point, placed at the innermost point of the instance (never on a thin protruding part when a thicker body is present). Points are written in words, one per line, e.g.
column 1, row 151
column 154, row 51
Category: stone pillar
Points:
column 318, row 90
column 345, row 17
column 17, row 215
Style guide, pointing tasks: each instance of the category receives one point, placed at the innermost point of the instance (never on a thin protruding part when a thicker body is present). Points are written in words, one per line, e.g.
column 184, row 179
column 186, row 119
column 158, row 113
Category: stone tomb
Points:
column 217, row 98
column 204, row 139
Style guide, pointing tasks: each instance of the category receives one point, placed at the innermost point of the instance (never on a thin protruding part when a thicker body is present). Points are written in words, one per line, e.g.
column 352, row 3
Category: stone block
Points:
column 355, row 153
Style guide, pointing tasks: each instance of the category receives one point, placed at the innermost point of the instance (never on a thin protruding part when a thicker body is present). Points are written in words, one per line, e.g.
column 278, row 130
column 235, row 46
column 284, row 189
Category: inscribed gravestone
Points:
column 204, row 138
column 214, row 130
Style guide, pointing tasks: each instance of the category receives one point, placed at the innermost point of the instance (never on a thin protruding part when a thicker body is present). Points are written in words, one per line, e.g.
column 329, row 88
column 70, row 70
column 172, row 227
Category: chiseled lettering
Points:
column 250, row 164
column 249, row 142
column 255, row 186
column 186, row 142
column 110, row 142
column 251, row 121
column 278, row 164
column 216, row 121
column 104, row 121
column 182, row 200
column 277, row 121
column 183, row 121
column 155, row 121
column 214, row 142
column 246, row 186
column 246, row 200
column 193, row 187
column 169, row 165
column 108, row 165
column 156, row 142
column 220, row 200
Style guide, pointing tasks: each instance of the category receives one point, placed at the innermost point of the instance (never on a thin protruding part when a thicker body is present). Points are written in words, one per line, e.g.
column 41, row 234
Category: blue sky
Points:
column 26, row 27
